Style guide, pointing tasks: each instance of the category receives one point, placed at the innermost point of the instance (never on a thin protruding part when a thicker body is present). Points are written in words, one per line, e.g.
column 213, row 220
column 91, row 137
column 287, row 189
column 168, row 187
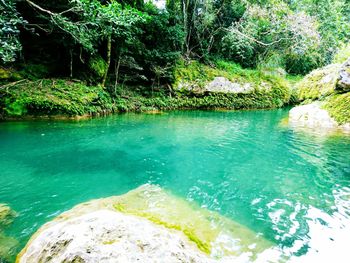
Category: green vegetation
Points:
column 339, row 107
column 66, row 97
column 107, row 48
column 342, row 55
column 52, row 97
column 200, row 74
column 323, row 85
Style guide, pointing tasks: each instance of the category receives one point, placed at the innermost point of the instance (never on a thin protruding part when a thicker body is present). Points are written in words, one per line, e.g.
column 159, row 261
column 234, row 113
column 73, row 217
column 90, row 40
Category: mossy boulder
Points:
column 227, row 85
column 145, row 224
column 319, row 83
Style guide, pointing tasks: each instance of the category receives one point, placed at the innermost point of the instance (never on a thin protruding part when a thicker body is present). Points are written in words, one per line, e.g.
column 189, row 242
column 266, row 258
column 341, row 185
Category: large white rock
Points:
column 313, row 116
column 110, row 236
column 221, row 84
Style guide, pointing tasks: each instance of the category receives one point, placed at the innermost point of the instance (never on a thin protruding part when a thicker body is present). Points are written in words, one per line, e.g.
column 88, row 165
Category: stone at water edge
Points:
column 313, row 116
column 206, row 234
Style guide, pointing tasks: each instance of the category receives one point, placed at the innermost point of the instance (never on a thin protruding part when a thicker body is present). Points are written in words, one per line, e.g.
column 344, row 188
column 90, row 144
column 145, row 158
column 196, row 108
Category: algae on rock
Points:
column 214, row 236
column 6, row 215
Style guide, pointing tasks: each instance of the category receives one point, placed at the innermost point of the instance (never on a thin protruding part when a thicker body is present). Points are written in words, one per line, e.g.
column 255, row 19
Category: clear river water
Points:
column 292, row 187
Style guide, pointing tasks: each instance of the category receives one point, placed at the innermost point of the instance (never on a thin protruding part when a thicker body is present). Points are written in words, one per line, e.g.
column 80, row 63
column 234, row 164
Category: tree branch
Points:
column 257, row 41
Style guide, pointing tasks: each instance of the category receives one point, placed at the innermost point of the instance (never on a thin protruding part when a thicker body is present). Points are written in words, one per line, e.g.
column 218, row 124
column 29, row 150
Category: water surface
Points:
column 292, row 187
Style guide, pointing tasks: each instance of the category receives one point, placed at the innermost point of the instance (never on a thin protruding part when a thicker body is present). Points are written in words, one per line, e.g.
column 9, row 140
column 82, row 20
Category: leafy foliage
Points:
column 264, row 32
column 10, row 20
column 121, row 43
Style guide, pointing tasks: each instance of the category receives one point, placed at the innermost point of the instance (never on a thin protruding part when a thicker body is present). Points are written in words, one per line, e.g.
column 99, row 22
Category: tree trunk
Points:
column 71, row 63
column 116, row 72
column 109, row 51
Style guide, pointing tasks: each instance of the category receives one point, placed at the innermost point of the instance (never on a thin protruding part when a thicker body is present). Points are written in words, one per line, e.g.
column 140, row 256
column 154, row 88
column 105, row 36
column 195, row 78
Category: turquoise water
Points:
column 292, row 187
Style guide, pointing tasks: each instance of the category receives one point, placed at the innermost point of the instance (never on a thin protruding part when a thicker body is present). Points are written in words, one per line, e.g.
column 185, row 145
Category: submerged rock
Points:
column 6, row 215
column 7, row 244
column 144, row 225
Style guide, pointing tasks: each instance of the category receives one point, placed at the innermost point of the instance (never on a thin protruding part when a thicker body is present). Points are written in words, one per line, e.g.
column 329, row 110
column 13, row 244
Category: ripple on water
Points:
column 286, row 185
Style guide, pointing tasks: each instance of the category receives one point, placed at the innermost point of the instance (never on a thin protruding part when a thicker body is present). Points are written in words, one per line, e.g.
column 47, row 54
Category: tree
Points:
column 91, row 23
column 264, row 32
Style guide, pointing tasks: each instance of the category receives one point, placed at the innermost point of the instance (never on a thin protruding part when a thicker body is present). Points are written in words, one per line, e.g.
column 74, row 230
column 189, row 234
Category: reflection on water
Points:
column 289, row 186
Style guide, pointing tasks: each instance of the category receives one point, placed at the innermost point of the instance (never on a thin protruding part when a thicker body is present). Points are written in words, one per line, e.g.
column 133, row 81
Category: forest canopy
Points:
column 132, row 41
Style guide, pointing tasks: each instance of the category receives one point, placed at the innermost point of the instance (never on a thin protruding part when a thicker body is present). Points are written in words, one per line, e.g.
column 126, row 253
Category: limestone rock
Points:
column 221, row 84
column 313, row 116
column 110, row 236
column 344, row 77
column 217, row 85
column 144, row 225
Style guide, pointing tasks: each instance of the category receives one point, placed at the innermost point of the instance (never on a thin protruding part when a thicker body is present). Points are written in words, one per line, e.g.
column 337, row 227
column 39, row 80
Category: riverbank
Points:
column 196, row 86
column 324, row 95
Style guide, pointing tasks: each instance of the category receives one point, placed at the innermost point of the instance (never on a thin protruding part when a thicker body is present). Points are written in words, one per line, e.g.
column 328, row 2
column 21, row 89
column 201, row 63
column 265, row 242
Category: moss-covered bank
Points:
column 57, row 97
column 330, row 88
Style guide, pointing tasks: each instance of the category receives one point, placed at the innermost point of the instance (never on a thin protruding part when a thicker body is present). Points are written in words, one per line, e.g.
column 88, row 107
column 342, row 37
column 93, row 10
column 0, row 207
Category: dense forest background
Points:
column 132, row 41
